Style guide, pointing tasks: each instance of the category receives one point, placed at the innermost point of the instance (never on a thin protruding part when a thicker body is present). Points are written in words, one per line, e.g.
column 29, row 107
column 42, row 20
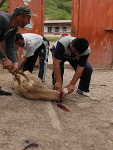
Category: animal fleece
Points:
column 31, row 87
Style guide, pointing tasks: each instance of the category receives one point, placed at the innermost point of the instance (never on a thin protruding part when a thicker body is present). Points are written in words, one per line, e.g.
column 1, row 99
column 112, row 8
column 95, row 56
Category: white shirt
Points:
column 31, row 43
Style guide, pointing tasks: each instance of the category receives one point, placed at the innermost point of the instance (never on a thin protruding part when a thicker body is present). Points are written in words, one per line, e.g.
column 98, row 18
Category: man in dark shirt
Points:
column 76, row 51
column 9, row 24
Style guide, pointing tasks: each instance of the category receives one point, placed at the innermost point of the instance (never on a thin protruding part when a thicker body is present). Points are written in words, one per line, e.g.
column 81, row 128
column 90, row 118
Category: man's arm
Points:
column 58, row 55
column 7, row 64
column 75, row 78
column 80, row 68
column 57, row 72
column 10, row 48
column 22, row 62
column 2, row 54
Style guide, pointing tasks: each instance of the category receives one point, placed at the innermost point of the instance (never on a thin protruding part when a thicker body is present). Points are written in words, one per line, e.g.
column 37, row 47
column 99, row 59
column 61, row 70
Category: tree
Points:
column 1, row 3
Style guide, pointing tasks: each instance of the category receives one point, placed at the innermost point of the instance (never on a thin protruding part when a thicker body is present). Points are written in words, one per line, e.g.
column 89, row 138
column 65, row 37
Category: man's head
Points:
column 22, row 11
column 64, row 31
column 79, row 45
column 21, row 16
column 19, row 40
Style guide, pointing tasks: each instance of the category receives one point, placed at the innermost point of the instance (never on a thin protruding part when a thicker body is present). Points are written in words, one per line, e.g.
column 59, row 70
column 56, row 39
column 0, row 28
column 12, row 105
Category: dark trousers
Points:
column 85, row 77
column 42, row 52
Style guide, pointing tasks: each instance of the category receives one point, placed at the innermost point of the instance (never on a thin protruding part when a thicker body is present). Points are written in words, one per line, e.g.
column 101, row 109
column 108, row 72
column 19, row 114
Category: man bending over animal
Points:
column 76, row 51
column 34, row 45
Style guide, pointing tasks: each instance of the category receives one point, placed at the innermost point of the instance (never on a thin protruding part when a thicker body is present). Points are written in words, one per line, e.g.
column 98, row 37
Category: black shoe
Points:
column 5, row 93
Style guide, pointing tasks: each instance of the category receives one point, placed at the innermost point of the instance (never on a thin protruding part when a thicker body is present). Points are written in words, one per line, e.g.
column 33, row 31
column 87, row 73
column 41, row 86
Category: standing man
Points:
column 9, row 24
column 34, row 45
column 76, row 51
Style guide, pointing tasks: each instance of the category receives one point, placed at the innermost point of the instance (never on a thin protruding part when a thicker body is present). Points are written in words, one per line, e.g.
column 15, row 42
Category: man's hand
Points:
column 58, row 86
column 15, row 68
column 7, row 64
column 22, row 62
column 70, row 88
column 15, row 64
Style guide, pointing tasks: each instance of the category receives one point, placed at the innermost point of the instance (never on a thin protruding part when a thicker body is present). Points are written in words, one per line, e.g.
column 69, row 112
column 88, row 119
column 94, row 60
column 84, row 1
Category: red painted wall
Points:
column 36, row 7
column 93, row 20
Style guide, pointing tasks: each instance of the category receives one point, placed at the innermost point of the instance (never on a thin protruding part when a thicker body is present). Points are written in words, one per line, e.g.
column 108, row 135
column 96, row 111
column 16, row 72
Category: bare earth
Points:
column 89, row 125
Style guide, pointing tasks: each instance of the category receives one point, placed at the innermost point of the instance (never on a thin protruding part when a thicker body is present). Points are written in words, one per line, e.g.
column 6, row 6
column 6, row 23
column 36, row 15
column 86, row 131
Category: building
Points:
column 56, row 27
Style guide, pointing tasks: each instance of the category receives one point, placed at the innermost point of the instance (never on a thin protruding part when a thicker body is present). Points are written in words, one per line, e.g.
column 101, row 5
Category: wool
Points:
column 31, row 87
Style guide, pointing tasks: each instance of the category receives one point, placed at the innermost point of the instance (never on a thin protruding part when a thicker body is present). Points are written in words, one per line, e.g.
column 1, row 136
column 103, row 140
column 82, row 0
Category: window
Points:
column 49, row 29
column 64, row 28
column 56, row 29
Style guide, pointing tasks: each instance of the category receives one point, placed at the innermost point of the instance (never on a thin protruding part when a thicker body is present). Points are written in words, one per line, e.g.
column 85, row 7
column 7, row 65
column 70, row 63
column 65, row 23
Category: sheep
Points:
column 31, row 87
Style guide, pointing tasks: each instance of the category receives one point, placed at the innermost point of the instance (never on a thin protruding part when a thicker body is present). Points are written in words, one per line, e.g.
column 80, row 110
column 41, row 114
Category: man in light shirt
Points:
column 34, row 45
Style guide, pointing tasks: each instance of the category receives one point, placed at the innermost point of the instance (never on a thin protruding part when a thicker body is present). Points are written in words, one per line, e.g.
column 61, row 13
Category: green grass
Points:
column 53, row 39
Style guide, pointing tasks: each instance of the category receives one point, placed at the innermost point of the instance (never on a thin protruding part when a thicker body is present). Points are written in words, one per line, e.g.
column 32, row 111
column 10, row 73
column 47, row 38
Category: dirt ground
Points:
column 88, row 125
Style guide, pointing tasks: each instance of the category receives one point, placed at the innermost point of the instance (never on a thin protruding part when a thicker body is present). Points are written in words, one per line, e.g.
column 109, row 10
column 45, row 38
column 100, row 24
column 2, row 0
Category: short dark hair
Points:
column 18, row 37
column 23, row 11
column 80, row 44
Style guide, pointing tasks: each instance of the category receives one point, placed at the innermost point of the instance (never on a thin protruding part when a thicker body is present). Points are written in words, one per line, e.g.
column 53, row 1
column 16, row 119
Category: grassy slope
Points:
column 4, row 6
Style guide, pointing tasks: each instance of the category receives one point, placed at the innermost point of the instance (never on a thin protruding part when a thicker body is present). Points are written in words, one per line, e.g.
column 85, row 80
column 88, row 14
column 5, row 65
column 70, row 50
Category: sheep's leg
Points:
column 18, row 79
column 24, row 75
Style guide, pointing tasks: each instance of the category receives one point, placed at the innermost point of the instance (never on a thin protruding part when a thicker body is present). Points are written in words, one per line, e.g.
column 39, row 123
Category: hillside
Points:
column 54, row 9
column 57, row 9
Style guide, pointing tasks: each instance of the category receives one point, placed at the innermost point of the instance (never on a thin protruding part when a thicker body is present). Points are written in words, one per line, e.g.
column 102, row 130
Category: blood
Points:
column 60, row 105
column 63, row 107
